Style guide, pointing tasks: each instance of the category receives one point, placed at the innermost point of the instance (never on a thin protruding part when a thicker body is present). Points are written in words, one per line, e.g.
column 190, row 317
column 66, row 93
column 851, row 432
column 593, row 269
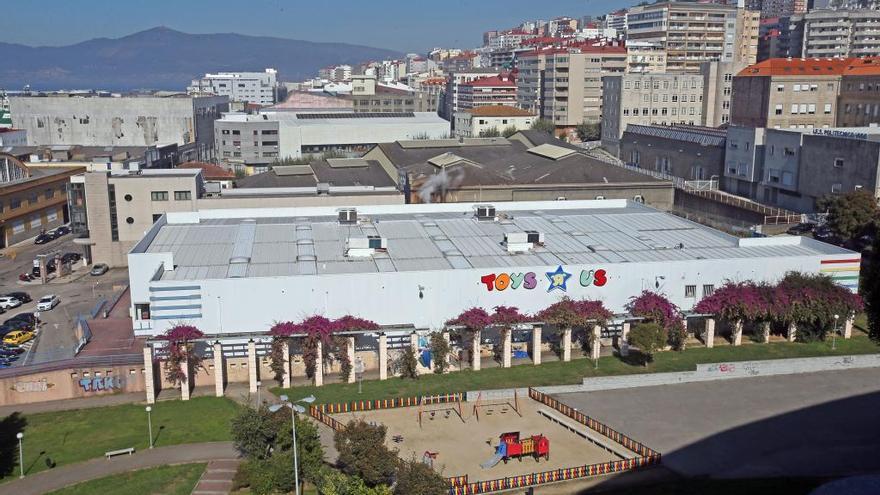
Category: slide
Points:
column 492, row 462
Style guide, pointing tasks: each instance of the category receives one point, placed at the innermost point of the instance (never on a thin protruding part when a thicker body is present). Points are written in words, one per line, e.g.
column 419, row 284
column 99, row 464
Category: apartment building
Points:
column 748, row 30
column 568, row 90
column 806, row 93
column 842, row 33
column 260, row 88
column 480, row 121
column 691, row 32
column 338, row 73
column 780, row 37
column 781, row 8
column 647, row 99
column 453, row 81
column 487, row 91
column 718, row 90
column 644, row 57
column 370, row 96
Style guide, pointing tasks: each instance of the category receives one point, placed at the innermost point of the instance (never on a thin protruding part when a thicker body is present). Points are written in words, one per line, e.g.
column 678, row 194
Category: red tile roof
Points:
column 494, row 82
column 209, row 170
column 814, row 67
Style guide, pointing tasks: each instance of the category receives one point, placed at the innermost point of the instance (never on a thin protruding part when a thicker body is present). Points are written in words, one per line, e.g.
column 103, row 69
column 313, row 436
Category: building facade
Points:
column 487, row 91
column 645, row 57
column 842, row 33
column 12, row 137
column 493, row 119
column 453, row 82
column 690, row 153
column 781, row 37
column 260, row 88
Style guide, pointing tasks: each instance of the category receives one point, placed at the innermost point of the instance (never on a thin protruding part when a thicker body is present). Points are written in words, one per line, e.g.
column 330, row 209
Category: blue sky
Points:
column 412, row 25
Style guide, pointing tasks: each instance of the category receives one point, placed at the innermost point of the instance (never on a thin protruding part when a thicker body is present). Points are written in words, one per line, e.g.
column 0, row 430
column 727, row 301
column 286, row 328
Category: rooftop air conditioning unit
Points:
column 348, row 216
column 485, row 212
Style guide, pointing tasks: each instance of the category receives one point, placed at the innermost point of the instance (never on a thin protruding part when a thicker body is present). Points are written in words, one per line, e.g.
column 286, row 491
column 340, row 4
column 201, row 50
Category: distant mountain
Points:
column 162, row 58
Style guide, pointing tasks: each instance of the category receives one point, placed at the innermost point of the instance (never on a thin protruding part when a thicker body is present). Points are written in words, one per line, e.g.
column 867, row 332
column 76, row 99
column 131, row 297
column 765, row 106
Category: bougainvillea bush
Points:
column 657, row 308
column 736, row 301
column 473, row 319
column 180, row 352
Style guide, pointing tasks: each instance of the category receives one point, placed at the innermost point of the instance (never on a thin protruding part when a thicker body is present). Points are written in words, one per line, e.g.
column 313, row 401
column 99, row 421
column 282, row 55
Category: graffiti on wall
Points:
column 33, row 386
column 101, row 383
column 557, row 279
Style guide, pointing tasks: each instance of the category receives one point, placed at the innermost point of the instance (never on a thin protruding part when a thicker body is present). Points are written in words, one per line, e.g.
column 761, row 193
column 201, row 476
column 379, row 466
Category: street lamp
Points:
column 150, row 425
column 294, row 408
column 20, row 454
column 834, row 335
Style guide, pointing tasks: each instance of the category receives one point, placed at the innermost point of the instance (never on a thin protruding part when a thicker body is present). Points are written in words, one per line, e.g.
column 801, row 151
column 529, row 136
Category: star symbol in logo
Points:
column 558, row 279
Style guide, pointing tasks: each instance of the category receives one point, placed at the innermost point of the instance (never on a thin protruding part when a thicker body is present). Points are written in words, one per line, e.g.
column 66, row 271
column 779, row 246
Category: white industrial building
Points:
column 260, row 88
column 234, row 272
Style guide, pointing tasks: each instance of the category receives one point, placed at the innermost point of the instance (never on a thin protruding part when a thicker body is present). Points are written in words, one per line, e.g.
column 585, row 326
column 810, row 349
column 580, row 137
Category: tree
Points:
column 254, row 431
column 871, row 291
column 439, row 352
column 657, row 308
column 852, row 213
column 408, row 363
column 417, row 477
column 181, row 353
column 509, row 131
column 490, row 133
column 333, row 482
column 648, row 337
column 544, row 125
column 310, row 453
column 811, row 301
column 362, row 452
column 589, row 132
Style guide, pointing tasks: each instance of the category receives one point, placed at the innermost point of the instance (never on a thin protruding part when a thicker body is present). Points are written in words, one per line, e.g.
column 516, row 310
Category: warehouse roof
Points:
column 333, row 172
column 307, row 241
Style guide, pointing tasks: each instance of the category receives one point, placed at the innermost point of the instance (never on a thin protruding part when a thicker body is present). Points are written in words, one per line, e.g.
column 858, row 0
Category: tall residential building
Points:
column 370, row 96
column 615, row 20
column 807, row 93
column 780, row 37
column 185, row 120
column 453, row 81
column 571, row 81
column 644, row 57
column 748, row 28
column 842, row 33
column 486, row 91
column 782, row 8
column 338, row 73
column 718, row 89
column 691, row 32
column 648, row 99
column 260, row 88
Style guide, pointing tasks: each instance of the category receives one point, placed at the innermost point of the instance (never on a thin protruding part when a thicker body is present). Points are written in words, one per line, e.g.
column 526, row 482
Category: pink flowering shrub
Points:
column 657, row 308
column 473, row 319
column 180, row 352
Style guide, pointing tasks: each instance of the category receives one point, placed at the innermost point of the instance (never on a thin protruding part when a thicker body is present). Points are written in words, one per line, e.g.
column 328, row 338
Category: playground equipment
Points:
column 428, row 458
column 511, row 446
column 501, row 406
column 430, row 409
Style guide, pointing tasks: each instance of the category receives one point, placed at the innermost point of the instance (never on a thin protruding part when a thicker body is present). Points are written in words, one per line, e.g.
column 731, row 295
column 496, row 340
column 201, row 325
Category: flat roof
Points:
column 338, row 118
column 310, row 241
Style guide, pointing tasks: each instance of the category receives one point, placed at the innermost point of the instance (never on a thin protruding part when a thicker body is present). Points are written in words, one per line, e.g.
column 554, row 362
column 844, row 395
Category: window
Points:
column 835, row 188
column 225, row 132
column 50, row 193
column 269, row 133
column 838, row 163
column 182, row 195
column 779, row 109
column 270, row 143
column 690, row 291
column 708, row 289
column 794, row 108
column 789, row 151
column 18, row 226
column 236, row 132
column 780, row 88
column 159, row 195
column 35, row 222
column 811, row 108
column 796, row 88
column 156, row 217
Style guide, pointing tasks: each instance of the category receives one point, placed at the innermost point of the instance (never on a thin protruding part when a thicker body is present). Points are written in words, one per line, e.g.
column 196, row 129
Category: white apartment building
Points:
column 842, row 33
column 477, row 122
column 643, row 57
column 260, row 88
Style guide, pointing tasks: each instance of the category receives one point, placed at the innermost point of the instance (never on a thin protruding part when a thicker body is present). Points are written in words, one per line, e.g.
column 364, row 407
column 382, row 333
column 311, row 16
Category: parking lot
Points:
column 79, row 292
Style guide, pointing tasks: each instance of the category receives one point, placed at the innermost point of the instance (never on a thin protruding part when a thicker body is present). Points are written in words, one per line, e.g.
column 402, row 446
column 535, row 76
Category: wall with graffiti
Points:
column 71, row 383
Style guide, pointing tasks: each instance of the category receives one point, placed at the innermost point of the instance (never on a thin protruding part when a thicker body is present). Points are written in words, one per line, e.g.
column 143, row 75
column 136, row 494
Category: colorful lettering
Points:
column 516, row 279
column 502, row 281
column 530, row 281
column 593, row 277
column 600, row 278
column 489, row 280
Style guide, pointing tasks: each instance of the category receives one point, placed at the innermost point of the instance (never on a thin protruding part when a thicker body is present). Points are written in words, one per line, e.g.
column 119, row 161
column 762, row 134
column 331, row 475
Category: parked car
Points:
column 50, row 267
column 26, row 277
column 11, row 325
column 71, row 257
column 18, row 337
column 48, row 302
column 99, row 269
column 8, row 302
column 60, row 231
column 26, row 317
column 12, row 348
column 8, row 354
column 801, row 229
column 24, row 297
column 44, row 238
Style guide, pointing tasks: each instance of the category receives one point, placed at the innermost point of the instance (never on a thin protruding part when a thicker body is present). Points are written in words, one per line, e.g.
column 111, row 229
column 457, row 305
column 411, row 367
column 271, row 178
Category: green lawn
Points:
column 78, row 435
column 165, row 480
column 559, row 373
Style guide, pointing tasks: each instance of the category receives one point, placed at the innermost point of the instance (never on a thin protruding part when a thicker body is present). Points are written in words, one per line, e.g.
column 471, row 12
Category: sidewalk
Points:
column 54, row 479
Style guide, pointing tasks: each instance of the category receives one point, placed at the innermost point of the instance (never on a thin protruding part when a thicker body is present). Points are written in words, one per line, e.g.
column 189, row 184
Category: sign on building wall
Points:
column 554, row 280
column 42, row 385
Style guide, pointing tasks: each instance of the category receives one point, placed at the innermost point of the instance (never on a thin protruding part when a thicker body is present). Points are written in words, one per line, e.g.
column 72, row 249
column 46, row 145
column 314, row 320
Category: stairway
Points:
column 217, row 478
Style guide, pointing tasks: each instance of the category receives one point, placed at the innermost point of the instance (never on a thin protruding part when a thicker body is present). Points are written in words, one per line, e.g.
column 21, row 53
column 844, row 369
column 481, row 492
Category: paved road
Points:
column 79, row 293
column 46, row 481
column 813, row 424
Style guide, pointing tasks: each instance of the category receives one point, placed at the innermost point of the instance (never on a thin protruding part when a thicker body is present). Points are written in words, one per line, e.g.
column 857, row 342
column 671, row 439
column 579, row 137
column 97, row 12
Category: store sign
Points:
column 842, row 134
column 557, row 279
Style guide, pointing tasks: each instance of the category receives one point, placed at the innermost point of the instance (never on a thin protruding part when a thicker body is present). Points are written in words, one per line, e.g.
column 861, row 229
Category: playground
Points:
column 457, row 438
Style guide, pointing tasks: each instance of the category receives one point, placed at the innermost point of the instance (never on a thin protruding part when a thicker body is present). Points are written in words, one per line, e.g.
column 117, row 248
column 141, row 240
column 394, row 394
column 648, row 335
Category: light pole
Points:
column 834, row 335
column 294, row 408
column 20, row 454
column 150, row 425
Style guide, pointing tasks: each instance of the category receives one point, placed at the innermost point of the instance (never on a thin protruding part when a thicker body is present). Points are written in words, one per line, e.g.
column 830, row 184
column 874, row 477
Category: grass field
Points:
column 167, row 480
column 561, row 373
column 78, row 435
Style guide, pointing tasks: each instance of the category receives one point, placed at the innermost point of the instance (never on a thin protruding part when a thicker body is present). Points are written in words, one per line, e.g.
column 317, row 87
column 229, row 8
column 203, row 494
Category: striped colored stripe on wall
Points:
column 843, row 271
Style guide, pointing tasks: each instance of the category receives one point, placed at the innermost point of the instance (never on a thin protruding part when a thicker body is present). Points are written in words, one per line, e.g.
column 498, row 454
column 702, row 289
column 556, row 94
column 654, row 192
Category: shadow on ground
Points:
column 9, row 427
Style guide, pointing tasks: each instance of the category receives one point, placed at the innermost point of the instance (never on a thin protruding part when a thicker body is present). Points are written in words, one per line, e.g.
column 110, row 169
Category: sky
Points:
column 407, row 26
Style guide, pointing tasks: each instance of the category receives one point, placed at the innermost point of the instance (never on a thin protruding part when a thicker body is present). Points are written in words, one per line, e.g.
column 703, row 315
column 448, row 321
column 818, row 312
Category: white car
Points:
column 7, row 302
column 48, row 302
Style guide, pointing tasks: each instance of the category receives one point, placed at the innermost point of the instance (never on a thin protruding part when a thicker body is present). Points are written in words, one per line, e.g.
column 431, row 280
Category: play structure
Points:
column 496, row 407
column 432, row 410
column 512, row 447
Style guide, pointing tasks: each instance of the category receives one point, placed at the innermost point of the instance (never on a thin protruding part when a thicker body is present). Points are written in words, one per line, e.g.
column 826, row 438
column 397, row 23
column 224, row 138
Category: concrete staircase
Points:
column 217, row 478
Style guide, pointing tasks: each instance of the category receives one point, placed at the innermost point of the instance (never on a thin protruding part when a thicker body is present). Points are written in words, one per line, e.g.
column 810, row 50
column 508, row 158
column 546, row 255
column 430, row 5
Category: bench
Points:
column 588, row 434
column 112, row 453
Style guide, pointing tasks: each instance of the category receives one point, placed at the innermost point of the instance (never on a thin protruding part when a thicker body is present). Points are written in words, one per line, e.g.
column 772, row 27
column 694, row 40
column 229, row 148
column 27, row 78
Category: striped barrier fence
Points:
column 370, row 405
column 315, row 412
column 457, row 481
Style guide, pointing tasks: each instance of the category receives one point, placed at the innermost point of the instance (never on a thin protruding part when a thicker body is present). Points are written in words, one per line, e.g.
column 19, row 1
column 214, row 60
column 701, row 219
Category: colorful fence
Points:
column 458, row 481
column 591, row 423
column 369, row 405
column 325, row 418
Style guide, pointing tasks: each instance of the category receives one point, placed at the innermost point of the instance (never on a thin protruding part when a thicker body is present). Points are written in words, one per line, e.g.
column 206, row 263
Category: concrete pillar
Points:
column 149, row 375
column 536, row 345
column 319, row 364
column 738, row 332
column 506, row 348
column 252, row 366
column 765, row 330
column 624, row 333
column 414, row 342
column 475, row 350
column 710, row 332
column 349, row 349
column 595, row 345
column 566, row 344
column 383, row 357
column 218, row 369
column 184, row 386
column 792, row 331
column 684, row 323
column 847, row 328
column 285, row 378
column 449, row 345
